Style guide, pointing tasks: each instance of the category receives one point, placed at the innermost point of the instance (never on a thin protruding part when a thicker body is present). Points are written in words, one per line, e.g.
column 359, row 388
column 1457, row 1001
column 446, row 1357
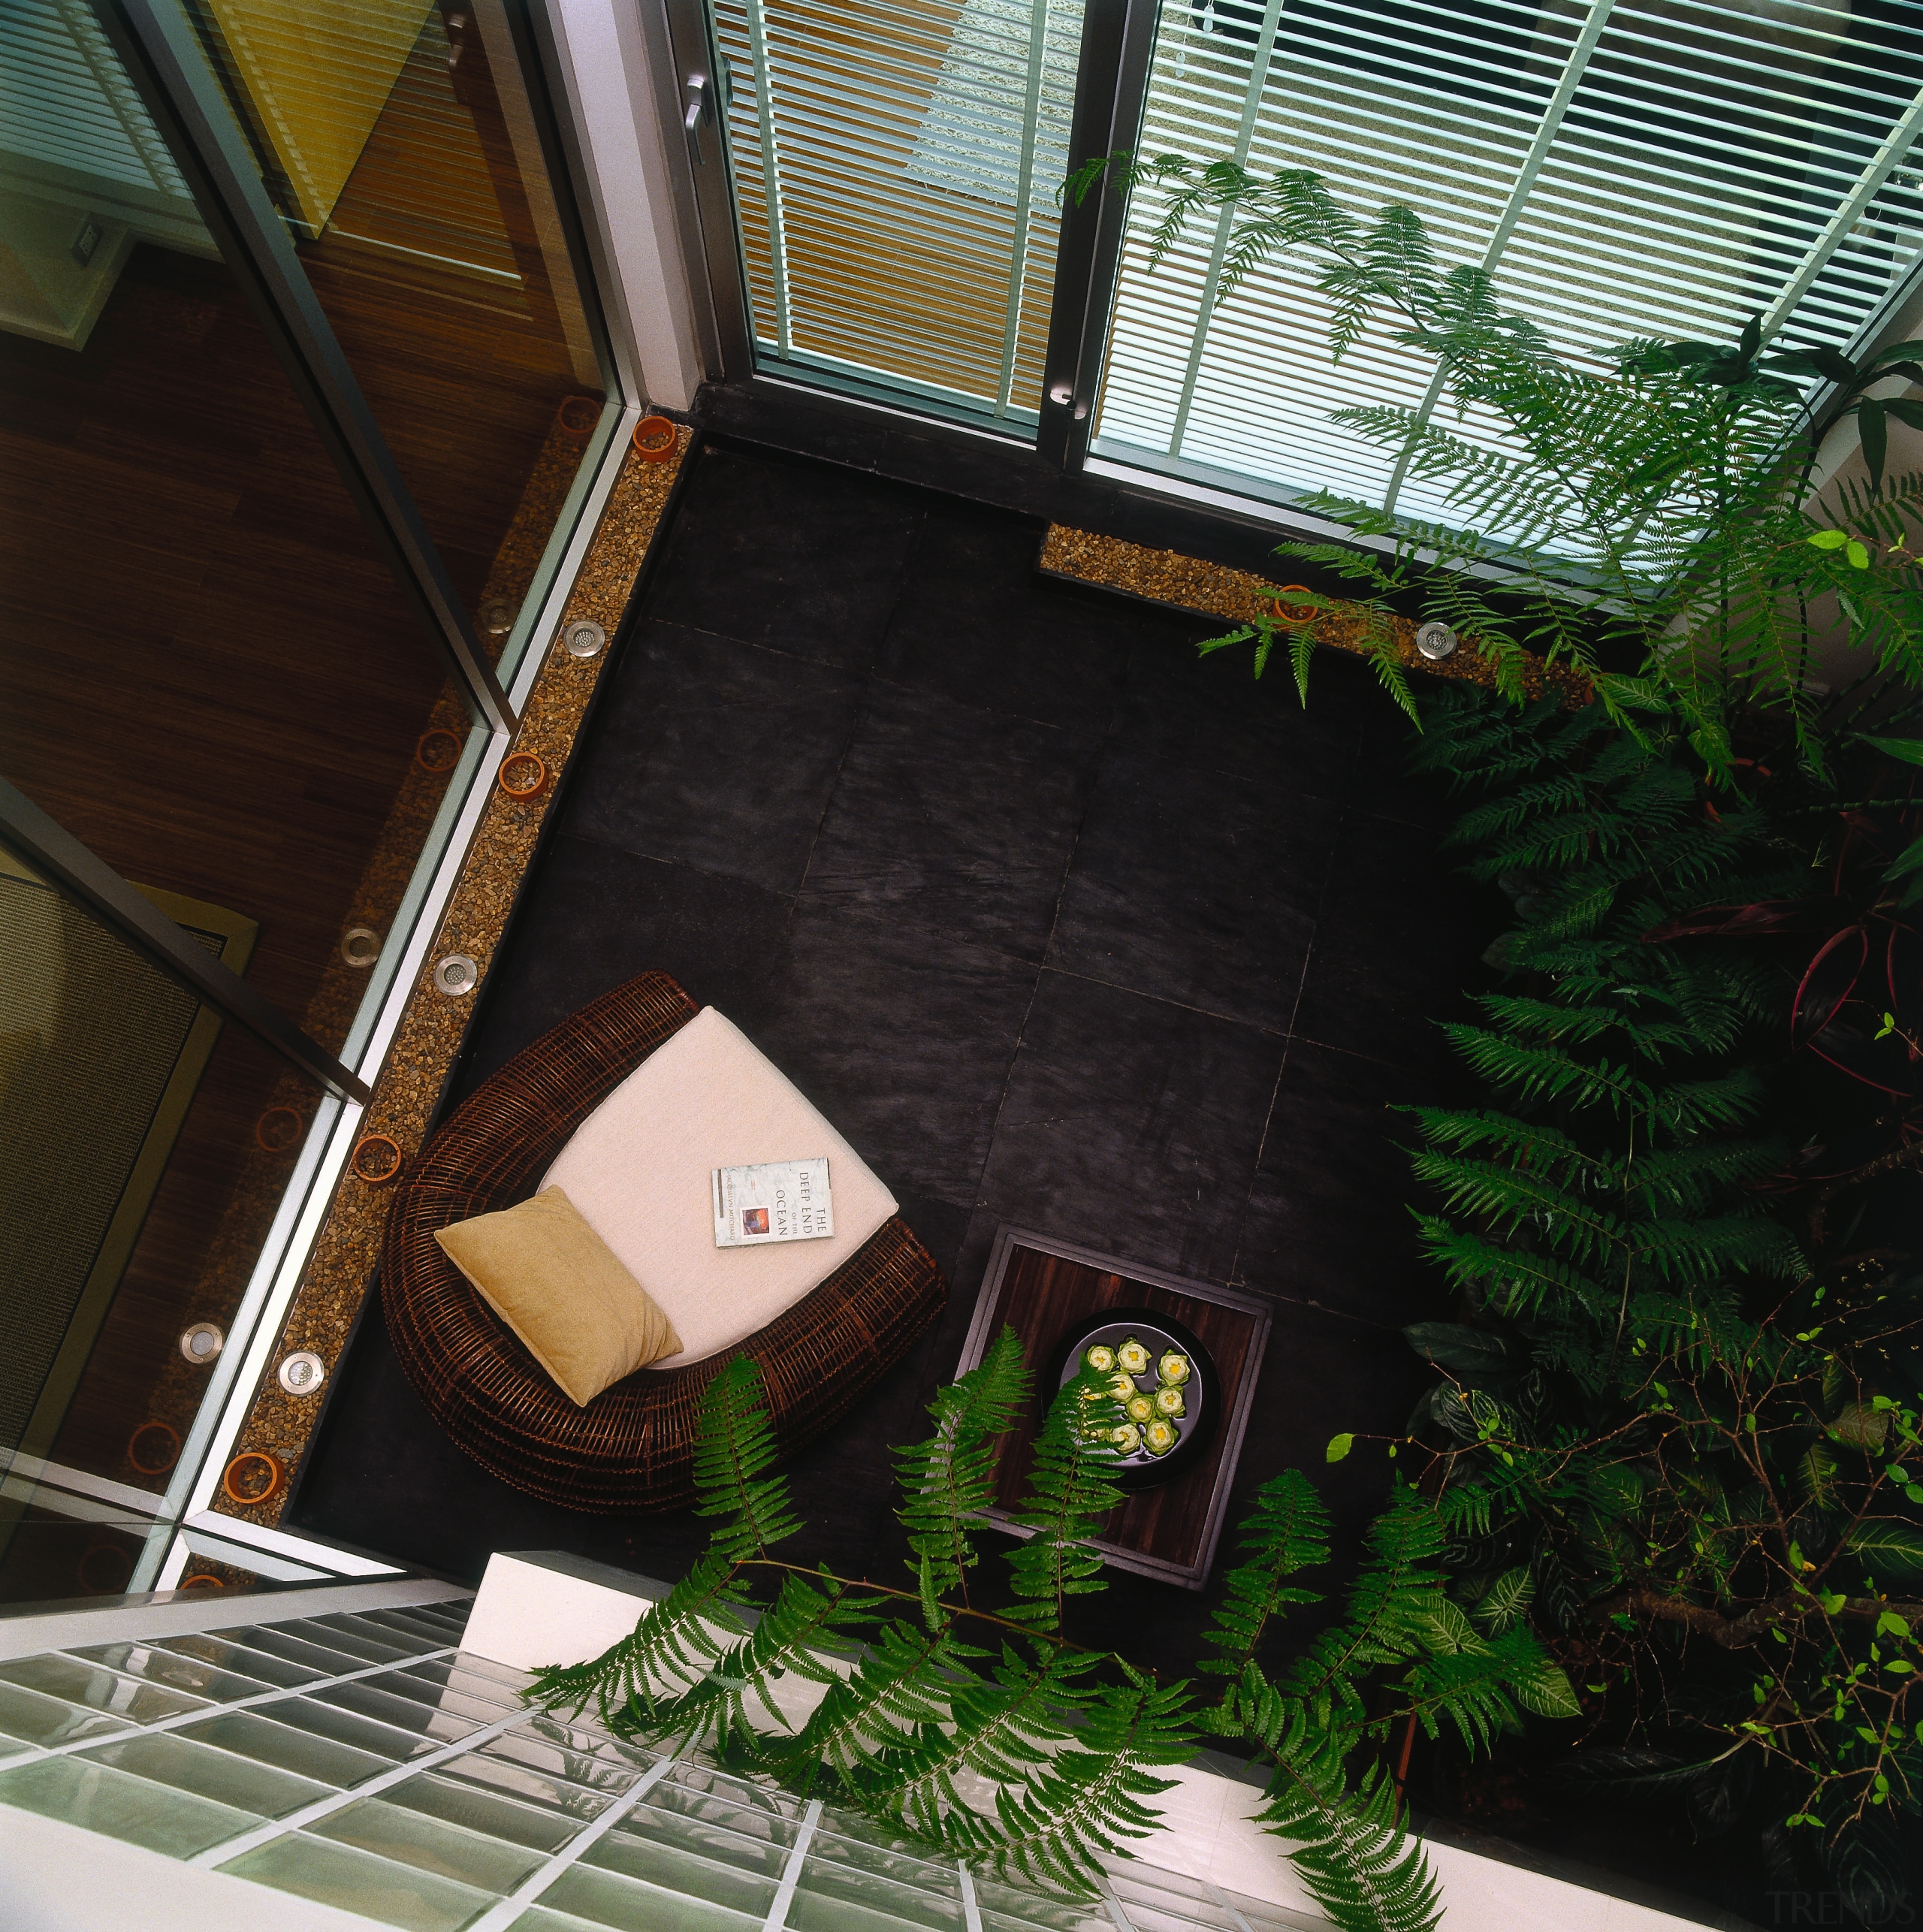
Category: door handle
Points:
column 694, row 113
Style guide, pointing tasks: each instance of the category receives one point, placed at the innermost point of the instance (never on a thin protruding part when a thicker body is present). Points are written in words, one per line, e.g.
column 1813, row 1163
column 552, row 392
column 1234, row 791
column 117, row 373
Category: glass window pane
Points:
column 609, row 1898
column 387, row 1632
column 241, row 1660
column 411, row 1837
column 128, row 1114
column 209, row 675
column 167, row 1667
column 35, row 1719
column 79, row 1683
column 277, row 1640
column 500, row 1766
column 401, row 147
column 339, row 1633
column 650, row 1854
column 398, row 1713
column 356, row 1881
column 168, row 1758
column 542, row 1828
column 250, row 1735
column 101, row 1799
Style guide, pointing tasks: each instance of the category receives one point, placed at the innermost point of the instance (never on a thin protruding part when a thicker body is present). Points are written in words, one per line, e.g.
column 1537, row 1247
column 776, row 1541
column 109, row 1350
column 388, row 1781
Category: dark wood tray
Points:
column 1042, row 1288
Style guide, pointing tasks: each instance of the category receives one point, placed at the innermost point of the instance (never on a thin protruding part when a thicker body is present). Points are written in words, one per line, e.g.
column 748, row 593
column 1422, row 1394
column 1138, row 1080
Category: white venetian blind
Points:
column 1664, row 167
column 66, row 105
column 895, row 173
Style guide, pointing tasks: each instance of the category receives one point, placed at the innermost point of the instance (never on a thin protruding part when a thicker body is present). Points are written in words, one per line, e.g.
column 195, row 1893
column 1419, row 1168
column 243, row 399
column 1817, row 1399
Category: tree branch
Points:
column 1733, row 1632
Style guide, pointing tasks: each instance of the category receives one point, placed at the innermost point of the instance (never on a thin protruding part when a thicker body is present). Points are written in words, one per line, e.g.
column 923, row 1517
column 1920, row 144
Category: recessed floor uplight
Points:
column 457, row 974
column 302, row 1373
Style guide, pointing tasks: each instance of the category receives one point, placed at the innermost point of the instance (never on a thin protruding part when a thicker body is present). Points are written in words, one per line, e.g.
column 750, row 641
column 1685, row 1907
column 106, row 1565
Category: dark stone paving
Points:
column 1059, row 924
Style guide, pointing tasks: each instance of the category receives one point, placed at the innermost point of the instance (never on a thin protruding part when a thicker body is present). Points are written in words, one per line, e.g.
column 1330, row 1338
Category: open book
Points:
column 779, row 1200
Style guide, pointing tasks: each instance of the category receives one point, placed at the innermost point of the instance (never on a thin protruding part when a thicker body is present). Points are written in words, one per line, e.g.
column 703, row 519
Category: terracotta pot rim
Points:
column 533, row 790
column 588, row 404
column 426, row 738
column 376, row 1140
column 646, row 445
column 276, row 1471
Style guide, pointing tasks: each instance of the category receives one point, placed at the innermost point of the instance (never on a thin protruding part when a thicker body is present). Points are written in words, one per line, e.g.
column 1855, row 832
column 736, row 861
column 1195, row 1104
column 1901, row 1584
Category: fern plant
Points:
column 1677, row 1433
column 1646, row 505
column 905, row 1703
column 1401, row 1653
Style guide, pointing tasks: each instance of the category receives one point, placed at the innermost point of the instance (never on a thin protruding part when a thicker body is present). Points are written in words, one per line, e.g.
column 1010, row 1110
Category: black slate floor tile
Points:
column 1132, row 1126
column 716, row 753
column 902, row 1040
column 1212, row 712
column 975, row 622
column 806, row 558
column 827, row 796
column 1195, row 887
column 1327, row 1220
column 595, row 916
column 1396, row 944
column 958, row 821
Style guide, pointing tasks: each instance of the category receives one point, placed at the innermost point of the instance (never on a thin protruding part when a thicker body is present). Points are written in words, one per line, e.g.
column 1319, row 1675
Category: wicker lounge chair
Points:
column 631, row 1448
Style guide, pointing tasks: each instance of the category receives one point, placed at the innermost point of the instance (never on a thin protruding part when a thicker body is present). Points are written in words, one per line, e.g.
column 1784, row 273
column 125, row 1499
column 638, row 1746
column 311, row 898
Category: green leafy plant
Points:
column 901, row 1702
column 1643, row 512
column 1677, row 1430
column 1402, row 1653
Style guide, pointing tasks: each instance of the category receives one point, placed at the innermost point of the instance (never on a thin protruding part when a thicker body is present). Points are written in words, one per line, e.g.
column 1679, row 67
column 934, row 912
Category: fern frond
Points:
column 1085, row 1801
column 1286, row 1530
column 1003, row 1726
column 672, row 1646
column 734, row 1449
column 790, row 1639
column 1069, row 1499
column 1366, row 1874
column 949, row 1478
column 1385, row 1619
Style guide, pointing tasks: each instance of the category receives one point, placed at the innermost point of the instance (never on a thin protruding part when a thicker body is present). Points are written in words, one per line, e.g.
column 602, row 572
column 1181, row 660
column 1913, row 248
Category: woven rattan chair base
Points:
column 631, row 1449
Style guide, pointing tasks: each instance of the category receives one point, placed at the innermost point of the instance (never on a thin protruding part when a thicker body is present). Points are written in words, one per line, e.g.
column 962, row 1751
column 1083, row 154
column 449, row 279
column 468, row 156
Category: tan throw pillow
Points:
column 552, row 1279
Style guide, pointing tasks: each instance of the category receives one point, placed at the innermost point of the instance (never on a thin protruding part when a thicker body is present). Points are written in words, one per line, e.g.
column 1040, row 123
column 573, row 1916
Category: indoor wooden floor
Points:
column 208, row 675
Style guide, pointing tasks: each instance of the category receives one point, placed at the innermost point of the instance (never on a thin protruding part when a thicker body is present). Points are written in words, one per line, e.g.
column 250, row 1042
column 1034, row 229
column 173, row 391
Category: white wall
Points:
column 604, row 50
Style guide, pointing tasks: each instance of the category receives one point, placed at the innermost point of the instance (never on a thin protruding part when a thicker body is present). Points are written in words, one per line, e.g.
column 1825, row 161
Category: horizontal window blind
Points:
column 65, row 102
column 895, row 171
column 1652, row 167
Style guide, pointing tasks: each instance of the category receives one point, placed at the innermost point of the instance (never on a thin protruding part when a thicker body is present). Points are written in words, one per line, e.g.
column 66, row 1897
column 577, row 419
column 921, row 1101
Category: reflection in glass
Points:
column 399, row 143
column 208, row 675
column 144, row 1145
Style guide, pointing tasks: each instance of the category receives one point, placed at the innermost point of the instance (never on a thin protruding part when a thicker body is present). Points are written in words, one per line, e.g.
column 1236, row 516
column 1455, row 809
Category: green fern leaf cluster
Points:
column 883, row 1699
column 1069, row 1499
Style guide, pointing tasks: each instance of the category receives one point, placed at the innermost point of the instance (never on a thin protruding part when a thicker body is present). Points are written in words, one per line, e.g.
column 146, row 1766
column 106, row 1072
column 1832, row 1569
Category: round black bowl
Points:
column 1202, row 1393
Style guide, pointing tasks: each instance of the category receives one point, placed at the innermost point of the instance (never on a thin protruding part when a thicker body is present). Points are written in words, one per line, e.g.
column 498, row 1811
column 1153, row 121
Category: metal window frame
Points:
column 1111, row 92
column 50, row 849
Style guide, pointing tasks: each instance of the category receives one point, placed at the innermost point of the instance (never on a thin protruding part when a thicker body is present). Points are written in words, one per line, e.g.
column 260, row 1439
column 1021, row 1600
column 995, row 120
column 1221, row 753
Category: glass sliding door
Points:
column 402, row 143
column 896, row 173
column 301, row 385
column 1670, row 167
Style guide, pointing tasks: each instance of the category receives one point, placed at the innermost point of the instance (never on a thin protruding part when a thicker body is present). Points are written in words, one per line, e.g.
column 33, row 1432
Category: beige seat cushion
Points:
column 552, row 1279
column 638, row 1168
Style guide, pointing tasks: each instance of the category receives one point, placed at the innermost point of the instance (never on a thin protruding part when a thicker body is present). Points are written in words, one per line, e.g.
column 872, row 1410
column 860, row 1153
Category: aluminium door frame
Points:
column 689, row 81
column 1111, row 92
